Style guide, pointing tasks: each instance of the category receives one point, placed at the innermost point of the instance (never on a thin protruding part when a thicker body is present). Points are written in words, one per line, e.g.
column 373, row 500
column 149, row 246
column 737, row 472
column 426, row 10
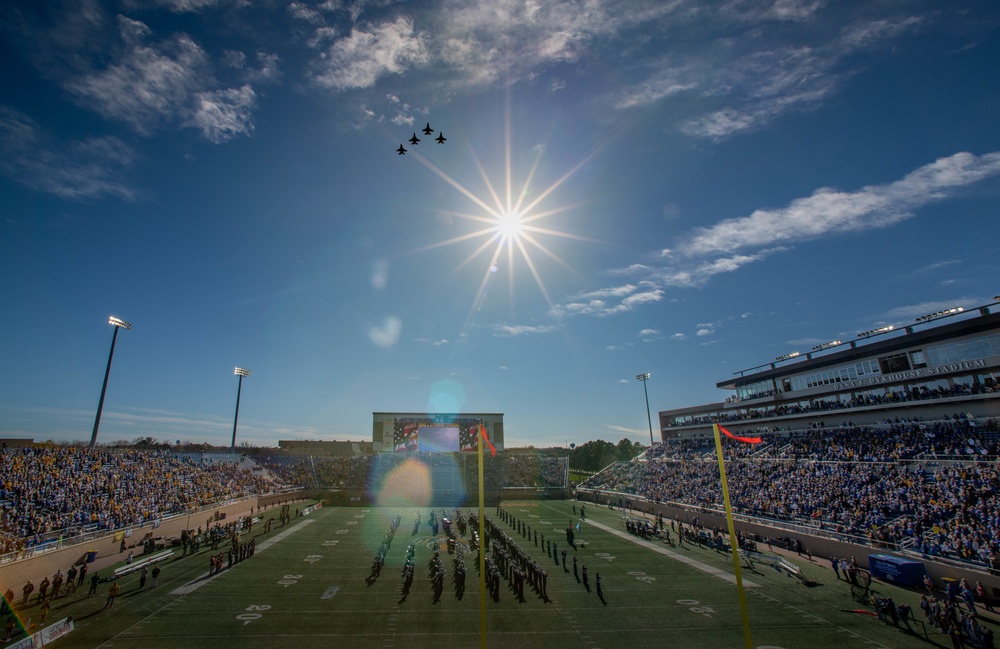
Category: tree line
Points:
column 597, row 454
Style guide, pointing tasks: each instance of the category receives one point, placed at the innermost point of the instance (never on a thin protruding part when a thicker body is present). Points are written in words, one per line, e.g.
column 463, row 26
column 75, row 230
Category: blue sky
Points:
column 700, row 187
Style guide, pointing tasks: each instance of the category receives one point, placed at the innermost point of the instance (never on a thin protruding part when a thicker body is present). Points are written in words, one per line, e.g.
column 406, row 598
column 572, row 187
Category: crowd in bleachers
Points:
column 534, row 471
column 50, row 492
column 823, row 405
column 884, row 483
column 295, row 470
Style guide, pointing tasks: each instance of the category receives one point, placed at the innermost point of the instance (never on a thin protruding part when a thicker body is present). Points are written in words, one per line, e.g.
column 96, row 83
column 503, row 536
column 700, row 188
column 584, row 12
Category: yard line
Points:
column 694, row 563
column 283, row 535
column 197, row 583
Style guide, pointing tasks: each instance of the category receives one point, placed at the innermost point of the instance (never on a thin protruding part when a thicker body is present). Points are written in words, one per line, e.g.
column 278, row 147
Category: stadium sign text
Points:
column 912, row 374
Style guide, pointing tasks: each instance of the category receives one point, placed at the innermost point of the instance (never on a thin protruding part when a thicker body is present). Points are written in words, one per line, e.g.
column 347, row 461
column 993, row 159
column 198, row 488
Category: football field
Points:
column 308, row 585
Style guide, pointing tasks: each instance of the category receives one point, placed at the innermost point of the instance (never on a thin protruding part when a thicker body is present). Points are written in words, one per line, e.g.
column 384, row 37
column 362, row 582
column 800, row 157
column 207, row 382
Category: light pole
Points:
column 119, row 324
column 644, row 378
column 240, row 372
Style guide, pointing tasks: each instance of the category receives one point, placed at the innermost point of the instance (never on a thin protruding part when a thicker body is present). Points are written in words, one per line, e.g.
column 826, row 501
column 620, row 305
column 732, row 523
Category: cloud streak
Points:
column 152, row 85
column 369, row 53
column 79, row 170
column 732, row 244
column 830, row 211
column 510, row 331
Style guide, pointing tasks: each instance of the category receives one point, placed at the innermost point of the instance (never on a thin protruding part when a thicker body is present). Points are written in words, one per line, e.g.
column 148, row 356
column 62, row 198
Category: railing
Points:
column 798, row 526
column 59, row 542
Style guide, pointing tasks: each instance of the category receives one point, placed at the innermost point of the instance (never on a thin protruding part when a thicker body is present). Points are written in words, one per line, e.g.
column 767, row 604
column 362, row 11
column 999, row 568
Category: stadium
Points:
column 862, row 475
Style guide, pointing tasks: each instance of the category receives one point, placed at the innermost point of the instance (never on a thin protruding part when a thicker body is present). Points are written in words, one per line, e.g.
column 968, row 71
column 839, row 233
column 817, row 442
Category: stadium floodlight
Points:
column 649, row 420
column 240, row 372
column 118, row 324
column 939, row 314
column 875, row 332
column 832, row 343
column 785, row 357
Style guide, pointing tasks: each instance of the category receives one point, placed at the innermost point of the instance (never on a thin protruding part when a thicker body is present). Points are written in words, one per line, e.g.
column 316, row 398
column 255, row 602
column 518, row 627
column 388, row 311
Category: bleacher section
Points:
column 887, row 485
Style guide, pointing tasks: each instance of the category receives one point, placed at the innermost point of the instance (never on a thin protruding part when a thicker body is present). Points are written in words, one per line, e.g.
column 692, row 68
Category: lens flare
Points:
column 509, row 226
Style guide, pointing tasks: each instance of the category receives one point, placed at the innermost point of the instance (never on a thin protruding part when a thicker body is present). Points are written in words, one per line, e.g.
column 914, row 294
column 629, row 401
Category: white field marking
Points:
column 129, row 630
column 694, row 563
column 283, row 535
column 192, row 586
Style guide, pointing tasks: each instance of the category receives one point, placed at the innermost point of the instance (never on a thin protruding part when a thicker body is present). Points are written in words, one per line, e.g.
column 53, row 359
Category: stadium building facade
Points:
column 943, row 363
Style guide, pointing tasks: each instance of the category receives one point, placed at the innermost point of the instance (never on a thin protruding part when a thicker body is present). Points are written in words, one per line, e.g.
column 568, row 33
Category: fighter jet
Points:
column 427, row 129
column 440, row 138
column 414, row 140
column 401, row 150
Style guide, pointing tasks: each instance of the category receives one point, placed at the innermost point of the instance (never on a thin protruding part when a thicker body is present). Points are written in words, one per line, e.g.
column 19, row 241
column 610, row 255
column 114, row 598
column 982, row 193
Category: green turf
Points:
column 307, row 589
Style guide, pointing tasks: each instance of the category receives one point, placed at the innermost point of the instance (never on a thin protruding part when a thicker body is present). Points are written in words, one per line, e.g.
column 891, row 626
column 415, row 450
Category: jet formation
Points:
column 414, row 141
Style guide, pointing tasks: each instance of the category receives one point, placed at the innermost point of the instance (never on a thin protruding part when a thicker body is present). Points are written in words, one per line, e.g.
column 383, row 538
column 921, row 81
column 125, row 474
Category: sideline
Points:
column 694, row 563
column 197, row 583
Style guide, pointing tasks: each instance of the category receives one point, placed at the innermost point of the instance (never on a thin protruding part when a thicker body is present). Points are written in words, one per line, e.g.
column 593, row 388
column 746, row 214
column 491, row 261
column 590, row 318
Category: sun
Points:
column 510, row 226
column 508, row 219
column 507, row 223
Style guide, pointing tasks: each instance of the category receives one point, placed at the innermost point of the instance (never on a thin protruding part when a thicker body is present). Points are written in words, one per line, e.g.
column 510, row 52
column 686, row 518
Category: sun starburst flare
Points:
column 507, row 225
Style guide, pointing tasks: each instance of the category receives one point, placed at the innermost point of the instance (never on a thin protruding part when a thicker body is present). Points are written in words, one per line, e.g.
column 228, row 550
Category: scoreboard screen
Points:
column 427, row 435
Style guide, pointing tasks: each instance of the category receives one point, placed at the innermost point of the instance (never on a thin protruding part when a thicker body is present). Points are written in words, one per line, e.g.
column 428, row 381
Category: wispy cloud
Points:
column 610, row 301
column 910, row 311
column 470, row 44
column 732, row 244
column 79, row 169
column 369, row 53
column 779, row 10
column 486, row 41
column 627, row 432
column 221, row 115
column 152, row 84
column 193, row 6
column 147, row 84
column 745, row 77
column 522, row 330
column 387, row 334
column 830, row 211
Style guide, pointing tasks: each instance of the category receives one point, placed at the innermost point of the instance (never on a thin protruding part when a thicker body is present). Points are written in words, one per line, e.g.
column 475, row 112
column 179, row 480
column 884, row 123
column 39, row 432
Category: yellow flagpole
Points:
column 482, row 543
column 732, row 540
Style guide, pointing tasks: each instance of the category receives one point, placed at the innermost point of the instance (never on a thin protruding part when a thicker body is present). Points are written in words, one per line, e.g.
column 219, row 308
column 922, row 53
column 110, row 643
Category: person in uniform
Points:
column 112, row 594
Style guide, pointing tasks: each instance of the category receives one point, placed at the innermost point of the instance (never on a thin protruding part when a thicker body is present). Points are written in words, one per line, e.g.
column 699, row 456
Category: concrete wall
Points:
column 822, row 548
column 14, row 574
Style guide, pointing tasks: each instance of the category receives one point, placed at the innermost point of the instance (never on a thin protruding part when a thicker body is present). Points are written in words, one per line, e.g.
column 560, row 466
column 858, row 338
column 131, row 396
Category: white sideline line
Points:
column 694, row 563
column 198, row 582
column 278, row 537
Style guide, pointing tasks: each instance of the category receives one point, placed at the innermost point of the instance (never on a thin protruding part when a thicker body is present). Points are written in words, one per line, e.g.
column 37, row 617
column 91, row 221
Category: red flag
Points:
column 493, row 450
column 748, row 440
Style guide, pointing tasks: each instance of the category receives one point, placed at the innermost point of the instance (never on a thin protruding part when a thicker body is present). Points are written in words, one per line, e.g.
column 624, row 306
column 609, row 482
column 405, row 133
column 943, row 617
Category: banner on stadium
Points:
column 45, row 636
